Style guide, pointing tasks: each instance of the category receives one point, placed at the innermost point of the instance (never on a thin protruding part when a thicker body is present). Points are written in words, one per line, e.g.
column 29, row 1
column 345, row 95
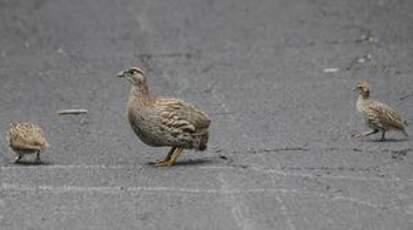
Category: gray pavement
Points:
column 280, row 153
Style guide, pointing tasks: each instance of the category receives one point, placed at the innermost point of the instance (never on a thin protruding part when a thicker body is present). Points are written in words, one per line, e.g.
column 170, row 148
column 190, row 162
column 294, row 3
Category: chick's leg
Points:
column 38, row 156
column 167, row 158
column 18, row 158
column 383, row 138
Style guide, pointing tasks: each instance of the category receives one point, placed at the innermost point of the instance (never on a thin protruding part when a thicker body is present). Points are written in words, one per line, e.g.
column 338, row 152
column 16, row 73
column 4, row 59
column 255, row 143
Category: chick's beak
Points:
column 120, row 74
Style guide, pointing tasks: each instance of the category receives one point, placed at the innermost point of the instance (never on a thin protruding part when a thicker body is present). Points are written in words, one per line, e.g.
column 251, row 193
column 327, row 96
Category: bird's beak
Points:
column 120, row 74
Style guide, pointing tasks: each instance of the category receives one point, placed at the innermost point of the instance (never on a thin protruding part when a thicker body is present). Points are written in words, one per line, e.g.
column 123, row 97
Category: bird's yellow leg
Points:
column 167, row 158
column 172, row 159
column 175, row 156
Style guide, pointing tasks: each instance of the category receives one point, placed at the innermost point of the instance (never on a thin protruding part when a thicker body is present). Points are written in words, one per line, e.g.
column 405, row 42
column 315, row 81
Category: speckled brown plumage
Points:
column 26, row 138
column 378, row 116
column 164, row 121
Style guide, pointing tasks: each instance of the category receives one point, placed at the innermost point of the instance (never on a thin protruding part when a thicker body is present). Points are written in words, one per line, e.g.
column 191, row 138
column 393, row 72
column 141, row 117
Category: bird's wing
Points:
column 386, row 114
column 181, row 116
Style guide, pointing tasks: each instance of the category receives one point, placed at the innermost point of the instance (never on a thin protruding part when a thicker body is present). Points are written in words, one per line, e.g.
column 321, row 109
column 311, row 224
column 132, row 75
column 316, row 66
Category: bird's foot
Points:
column 161, row 163
column 170, row 158
column 158, row 161
column 164, row 163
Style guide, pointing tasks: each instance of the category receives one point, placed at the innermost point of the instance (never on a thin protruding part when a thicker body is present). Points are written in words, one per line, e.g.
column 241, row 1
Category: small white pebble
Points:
column 361, row 60
column 331, row 70
column 365, row 58
column 409, row 209
column 363, row 37
column 373, row 39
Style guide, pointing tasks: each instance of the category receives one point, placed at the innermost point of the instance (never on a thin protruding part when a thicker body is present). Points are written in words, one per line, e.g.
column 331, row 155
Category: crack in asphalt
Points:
column 179, row 191
column 254, row 168
column 239, row 210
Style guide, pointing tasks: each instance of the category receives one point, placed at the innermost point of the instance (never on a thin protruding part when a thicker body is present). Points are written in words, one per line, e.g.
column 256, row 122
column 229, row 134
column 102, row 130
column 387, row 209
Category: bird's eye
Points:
column 133, row 71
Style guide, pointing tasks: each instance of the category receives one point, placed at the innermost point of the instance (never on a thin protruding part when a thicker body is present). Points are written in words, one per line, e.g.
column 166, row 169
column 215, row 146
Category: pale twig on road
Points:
column 72, row 111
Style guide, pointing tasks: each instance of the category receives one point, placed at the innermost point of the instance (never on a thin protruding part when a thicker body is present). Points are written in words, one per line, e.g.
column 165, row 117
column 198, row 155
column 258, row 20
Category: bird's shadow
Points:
column 386, row 140
column 193, row 162
column 32, row 163
column 186, row 163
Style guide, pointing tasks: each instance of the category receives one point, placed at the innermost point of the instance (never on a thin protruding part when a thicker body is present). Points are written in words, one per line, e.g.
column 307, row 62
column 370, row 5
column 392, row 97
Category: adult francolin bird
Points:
column 379, row 116
column 26, row 138
column 164, row 121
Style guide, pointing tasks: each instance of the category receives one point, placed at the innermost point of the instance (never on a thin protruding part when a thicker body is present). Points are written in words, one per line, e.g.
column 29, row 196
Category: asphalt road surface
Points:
column 276, row 77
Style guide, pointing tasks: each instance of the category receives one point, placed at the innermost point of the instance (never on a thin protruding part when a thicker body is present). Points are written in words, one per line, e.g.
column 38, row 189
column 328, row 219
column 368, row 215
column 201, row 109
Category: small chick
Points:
column 164, row 121
column 379, row 116
column 26, row 138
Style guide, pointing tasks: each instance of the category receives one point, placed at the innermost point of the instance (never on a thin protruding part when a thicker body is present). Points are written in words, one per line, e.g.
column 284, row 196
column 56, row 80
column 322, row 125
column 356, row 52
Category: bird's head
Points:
column 135, row 75
column 362, row 88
